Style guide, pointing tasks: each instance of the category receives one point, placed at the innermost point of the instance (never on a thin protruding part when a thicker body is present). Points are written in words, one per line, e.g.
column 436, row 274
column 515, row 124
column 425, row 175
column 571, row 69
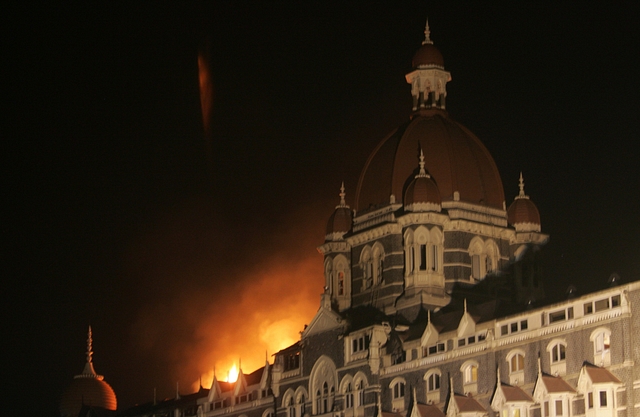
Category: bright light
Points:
column 233, row 374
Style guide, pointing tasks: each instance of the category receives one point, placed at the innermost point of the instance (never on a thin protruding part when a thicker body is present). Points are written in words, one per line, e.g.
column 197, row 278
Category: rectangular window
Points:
column 546, row 409
column 524, row 325
column 423, row 257
column 615, row 301
column 434, row 258
column 472, row 339
column 461, row 342
column 590, row 400
column 482, row 337
column 602, row 304
column 570, row 313
column 504, row 330
column 603, row 398
column 516, row 412
column 514, row 327
column 558, row 407
column 588, row 308
column 557, row 316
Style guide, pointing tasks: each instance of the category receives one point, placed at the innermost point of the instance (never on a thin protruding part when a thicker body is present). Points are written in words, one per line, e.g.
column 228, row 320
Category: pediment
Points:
column 324, row 320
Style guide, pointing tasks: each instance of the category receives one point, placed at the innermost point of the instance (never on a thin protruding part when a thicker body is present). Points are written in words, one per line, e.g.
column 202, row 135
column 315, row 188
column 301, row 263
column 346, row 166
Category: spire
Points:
column 521, row 185
column 423, row 171
column 427, row 34
column 342, row 194
column 89, row 371
column 177, row 390
column 465, row 305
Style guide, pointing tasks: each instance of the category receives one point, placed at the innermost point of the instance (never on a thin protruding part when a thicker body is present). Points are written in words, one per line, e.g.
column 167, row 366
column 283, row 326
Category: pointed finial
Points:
column 451, row 385
column 427, row 34
column 89, row 345
column 498, row 375
column 429, row 316
column 239, row 365
column 423, row 171
column 177, row 390
column 521, row 185
column 342, row 195
column 465, row 305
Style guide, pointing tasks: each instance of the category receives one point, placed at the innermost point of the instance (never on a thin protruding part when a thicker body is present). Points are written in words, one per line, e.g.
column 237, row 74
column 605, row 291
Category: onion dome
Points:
column 522, row 213
column 422, row 194
column 427, row 55
column 341, row 219
column 87, row 389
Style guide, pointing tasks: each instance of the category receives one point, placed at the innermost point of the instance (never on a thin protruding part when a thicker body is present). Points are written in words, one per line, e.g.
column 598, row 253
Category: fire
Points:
column 232, row 376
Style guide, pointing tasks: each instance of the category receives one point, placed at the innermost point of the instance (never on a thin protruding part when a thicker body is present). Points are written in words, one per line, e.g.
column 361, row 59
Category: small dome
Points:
column 87, row 391
column 523, row 213
column 422, row 193
column 427, row 56
column 341, row 219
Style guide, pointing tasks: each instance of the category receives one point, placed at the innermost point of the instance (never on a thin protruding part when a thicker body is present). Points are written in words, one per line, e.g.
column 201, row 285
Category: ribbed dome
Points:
column 89, row 391
column 455, row 158
column 523, row 213
column 341, row 219
column 522, row 210
column 427, row 55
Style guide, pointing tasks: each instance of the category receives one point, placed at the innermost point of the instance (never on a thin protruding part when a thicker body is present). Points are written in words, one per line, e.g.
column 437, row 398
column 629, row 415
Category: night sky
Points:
column 186, row 251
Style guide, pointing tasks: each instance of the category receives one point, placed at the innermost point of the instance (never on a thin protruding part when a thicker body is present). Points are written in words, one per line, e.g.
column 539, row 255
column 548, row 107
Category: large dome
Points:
column 456, row 159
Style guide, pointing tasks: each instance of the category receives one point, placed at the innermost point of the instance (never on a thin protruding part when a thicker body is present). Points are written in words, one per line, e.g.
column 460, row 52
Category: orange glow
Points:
column 232, row 376
column 222, row 310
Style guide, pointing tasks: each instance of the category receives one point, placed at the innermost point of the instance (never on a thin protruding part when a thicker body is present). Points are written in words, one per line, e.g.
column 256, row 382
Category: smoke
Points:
column 215, row 297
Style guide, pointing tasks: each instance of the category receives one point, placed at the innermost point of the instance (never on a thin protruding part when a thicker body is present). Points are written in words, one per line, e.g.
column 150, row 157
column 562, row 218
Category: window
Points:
column 601, row 339
column 348, row 396
column 360, row 389
column 515, row 359
column 517, row 363
column 546, row 409
column 432, row 381
column 590, row 400
column 359, row 343
column 469, row 371
column 558, row 407
column 558, row 353
column 557, row 349
column 397, row 387
column 603, row 398
column 433, row 350
column 475, row 267
column 340, row 283
column 434, row 257
column 423, row 257
column 291, row 409
column 398, row 390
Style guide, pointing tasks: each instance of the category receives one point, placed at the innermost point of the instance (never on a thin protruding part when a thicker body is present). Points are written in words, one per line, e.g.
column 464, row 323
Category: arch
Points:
column 269, row 412
column 397, row 386
column 360, row 383
column 341, row 279
column 328, row 273
column 322, row 382
column 469, row 371
column 377, row 263
column 557, row 349
column 366, row 263
column 601, row 339
column 432, row 380
column 409, row 252
column 515, row 360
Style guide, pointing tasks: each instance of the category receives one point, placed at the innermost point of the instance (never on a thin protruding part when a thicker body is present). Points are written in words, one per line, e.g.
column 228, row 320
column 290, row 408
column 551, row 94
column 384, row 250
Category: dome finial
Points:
column 89, row 346
column 343, row 203
column 521, row 185
column 423, row 171
column 427, row 34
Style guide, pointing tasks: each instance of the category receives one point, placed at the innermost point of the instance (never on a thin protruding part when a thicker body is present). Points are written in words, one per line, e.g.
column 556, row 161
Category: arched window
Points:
column 397, row 388
column 366, row 263
column 469, row 371
column 485, row 257
column 515, row 359
column 409, row 252
column 557, row 349
column 432, row 382
column 378, row 264
column 348, row 396
column 601, row 339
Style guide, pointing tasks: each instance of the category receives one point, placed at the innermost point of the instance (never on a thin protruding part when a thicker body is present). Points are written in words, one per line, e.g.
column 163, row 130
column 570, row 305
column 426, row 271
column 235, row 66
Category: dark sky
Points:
column 119, row 213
